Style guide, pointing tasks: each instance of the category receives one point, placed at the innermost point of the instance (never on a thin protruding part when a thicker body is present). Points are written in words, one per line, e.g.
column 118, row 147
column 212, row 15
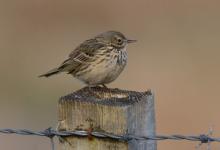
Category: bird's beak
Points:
column 131, row 41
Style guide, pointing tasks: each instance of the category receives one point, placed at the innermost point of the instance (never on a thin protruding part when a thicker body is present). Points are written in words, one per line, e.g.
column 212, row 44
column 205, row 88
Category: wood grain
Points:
column 109, row 110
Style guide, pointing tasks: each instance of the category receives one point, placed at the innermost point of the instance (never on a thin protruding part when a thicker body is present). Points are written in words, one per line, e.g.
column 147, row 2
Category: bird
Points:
column 98, row 60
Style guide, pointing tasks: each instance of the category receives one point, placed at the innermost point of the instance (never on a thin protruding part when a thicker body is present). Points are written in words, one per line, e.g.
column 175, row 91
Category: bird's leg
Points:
column 104, row 86
column 90, row 87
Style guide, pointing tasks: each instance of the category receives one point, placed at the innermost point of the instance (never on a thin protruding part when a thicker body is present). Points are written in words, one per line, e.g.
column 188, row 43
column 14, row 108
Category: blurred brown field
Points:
column 177, row 56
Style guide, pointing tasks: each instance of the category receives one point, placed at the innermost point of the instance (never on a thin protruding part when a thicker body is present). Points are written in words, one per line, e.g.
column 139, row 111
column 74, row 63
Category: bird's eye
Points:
column 120, row 41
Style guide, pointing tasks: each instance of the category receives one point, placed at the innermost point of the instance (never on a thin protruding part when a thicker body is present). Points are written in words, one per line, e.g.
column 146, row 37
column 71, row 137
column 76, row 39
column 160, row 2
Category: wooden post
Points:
column 110, row 110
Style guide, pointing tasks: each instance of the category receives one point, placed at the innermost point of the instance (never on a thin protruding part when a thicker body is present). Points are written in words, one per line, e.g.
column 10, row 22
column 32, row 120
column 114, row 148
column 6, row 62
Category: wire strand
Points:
column 51, row 133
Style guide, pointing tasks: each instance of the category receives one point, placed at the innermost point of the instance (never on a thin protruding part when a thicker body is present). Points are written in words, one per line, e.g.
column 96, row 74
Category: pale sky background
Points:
column 177, row 56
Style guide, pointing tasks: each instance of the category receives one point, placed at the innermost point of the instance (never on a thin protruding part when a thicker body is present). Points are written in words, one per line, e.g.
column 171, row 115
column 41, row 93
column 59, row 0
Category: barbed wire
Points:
column 50, row 133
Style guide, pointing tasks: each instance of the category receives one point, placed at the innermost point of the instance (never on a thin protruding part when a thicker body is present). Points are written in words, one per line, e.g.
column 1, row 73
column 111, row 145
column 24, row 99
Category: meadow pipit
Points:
column 97, row 61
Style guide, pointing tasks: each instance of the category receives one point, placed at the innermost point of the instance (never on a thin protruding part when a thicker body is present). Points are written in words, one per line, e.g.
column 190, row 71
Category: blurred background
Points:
column 177, row 56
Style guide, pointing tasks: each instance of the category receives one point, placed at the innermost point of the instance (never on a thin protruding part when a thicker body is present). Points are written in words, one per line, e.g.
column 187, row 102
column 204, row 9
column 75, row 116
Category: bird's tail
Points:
column 50, row 73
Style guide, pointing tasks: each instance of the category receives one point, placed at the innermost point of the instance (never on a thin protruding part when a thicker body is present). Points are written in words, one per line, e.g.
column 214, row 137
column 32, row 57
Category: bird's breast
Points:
column 105, row 68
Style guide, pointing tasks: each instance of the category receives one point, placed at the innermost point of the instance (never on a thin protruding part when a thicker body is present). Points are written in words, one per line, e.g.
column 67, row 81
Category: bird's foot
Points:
column 92, row 87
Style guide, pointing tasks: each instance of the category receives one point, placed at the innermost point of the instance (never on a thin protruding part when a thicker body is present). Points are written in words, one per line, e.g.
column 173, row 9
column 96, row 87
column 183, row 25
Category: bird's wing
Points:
column 82, row 55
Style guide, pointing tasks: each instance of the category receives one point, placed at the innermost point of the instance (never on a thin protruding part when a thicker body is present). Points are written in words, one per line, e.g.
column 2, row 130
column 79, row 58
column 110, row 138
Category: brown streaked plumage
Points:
column 96, row 61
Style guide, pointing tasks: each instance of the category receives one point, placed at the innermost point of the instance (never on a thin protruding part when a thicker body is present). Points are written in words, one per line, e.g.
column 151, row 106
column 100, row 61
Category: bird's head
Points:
column 114, row 38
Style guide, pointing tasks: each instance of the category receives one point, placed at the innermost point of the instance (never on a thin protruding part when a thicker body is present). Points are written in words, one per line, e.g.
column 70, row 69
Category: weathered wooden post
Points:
column 110, row 110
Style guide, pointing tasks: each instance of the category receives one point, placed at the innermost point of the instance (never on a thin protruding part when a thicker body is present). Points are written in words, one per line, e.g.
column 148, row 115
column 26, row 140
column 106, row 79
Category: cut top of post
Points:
column 106, row 96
